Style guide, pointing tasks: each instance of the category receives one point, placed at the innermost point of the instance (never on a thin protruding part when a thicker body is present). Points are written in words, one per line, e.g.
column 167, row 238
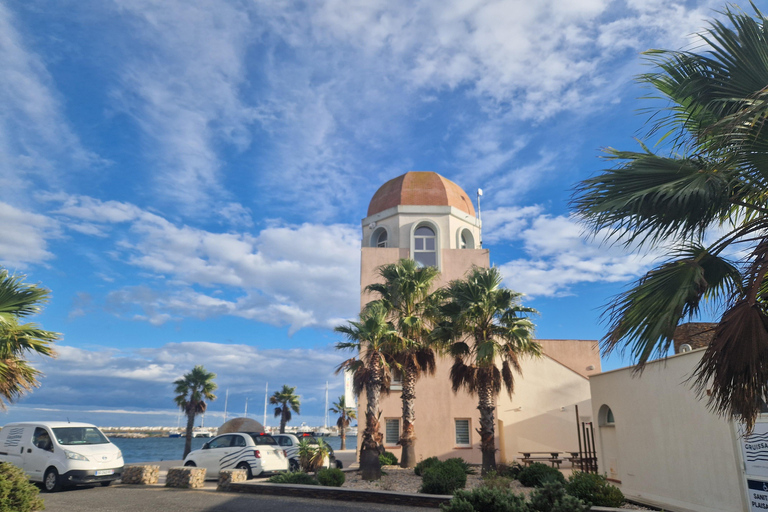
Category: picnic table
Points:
column 551, row 457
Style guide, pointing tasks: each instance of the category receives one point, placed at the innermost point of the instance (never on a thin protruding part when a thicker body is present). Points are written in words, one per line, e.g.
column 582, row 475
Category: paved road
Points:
column 124, row 498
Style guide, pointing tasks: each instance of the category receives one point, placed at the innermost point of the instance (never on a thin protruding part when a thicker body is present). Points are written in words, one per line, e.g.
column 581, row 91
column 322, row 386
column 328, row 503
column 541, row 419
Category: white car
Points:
column 290, row 442
column 59, row 453
column 254, row 452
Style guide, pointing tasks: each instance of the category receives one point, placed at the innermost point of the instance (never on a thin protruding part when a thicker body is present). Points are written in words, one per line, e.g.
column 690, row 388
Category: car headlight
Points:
column 74, row 456
column 119, row 454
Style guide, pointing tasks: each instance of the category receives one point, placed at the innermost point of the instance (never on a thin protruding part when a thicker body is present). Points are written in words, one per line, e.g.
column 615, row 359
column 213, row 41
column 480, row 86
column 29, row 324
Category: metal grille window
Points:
column 392, row 431
column 462, row 433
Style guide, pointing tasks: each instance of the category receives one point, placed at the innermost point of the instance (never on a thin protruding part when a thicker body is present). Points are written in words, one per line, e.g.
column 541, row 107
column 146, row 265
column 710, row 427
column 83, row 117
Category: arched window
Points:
column 466, row 240
column 605, row 417
column 425, row 246
column 380, row 238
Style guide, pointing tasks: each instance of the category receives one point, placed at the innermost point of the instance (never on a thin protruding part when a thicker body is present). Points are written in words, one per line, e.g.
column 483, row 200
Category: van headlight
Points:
column 74, row 456
column 119, row 454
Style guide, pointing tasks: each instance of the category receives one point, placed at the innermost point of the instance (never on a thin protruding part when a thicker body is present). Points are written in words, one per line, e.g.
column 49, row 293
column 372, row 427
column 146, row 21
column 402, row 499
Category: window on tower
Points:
column 381, row 241
column 425, row 246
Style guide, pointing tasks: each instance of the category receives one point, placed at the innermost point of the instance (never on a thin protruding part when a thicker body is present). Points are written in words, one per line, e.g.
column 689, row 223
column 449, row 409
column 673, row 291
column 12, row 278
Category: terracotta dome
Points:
column 420, row 189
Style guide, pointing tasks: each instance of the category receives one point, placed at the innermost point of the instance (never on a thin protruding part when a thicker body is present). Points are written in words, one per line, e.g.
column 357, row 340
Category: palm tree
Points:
column 19, row 300
column 345, row 414
column 486, row 325
column 372, row 337
column 286, row 401
column 701, row 192
column 192, row 390
column 405, row 293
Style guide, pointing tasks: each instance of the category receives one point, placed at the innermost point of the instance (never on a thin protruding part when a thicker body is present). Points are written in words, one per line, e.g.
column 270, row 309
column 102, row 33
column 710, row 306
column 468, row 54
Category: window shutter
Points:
column 462, row 432
column 392, row 431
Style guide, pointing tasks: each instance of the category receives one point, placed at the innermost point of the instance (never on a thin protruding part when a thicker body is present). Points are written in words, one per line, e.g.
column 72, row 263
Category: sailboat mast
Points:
column 226, row 399
column 326, row 404
column 245, row 414
column 266, row 392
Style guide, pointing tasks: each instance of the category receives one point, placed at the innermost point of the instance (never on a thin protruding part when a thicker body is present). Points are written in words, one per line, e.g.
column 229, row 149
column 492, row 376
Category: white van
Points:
column 58, row 453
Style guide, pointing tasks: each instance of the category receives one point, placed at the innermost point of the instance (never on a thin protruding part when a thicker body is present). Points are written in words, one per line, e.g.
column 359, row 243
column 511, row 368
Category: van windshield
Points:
column 79, row 435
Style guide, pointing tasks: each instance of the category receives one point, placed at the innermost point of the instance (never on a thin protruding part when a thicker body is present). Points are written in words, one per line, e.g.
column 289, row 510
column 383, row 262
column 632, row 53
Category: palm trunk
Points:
column 283, row 419
column 343, row 436
column 190, row 426
column 487, row 427
column 371, row 445
column 407, row 437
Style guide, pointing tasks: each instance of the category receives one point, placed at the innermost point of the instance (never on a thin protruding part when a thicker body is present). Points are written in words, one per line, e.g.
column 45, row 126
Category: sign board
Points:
column 754, row 449
column 757, row 495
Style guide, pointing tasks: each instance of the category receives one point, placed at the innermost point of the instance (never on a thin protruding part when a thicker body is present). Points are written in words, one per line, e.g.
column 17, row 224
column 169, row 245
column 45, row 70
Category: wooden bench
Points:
column 552, row 457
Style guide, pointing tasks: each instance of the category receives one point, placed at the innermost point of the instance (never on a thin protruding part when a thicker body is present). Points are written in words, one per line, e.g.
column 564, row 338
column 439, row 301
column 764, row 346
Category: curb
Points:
column 338, row 493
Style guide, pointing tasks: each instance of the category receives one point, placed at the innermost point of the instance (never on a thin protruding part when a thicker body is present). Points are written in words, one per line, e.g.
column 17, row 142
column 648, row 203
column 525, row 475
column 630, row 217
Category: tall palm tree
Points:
column 192, row 390
column 405, row 293
column 486, row 325
column 286, row 401
column 19, row 300
column 372, row 337
column 700, row 192
column 345, row 414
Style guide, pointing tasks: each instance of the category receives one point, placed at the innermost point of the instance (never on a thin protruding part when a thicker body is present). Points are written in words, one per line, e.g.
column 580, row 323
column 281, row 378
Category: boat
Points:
column 322, row 432
column 174, row 433
column 199, row 432
column 351, row 431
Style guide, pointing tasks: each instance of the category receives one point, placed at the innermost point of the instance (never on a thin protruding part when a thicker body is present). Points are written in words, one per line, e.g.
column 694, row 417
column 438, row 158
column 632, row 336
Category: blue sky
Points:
column 188, row 177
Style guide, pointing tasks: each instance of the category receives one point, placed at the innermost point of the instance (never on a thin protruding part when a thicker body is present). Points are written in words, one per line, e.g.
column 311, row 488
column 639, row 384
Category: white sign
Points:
column 754, row 448
column 757, row 495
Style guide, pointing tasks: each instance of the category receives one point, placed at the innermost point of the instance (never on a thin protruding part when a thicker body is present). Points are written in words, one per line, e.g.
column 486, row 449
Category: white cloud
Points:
column 24, row 237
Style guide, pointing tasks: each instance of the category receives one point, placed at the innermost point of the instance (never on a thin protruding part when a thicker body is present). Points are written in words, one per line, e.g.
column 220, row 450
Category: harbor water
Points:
column 150, row 449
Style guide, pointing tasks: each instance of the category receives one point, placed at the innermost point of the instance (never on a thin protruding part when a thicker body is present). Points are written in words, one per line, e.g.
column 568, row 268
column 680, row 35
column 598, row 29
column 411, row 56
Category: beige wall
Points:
column 578, row 355
column 541, row 415
column 666, row 448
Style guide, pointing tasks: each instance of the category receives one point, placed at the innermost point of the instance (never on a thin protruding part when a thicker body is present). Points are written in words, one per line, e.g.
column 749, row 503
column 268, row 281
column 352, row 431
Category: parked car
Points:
column 290, row 442
column 58, row 453
column 254, row 452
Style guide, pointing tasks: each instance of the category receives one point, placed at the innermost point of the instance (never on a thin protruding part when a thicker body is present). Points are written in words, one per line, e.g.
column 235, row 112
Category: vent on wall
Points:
column 685, row 348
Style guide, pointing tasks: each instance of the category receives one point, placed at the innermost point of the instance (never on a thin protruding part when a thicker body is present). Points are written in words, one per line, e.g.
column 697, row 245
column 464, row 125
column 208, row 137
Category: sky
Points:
column 188, row 177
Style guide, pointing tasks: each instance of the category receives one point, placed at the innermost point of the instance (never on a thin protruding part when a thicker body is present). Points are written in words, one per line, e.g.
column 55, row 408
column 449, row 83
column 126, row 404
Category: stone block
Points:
column 185, row 477
column 227, row 477
column 141, row 475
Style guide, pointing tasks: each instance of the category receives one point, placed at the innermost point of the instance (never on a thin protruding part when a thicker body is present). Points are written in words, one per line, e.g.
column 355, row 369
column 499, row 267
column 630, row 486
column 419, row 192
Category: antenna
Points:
column 245, row 414
column 266, row 392
column 479, row 214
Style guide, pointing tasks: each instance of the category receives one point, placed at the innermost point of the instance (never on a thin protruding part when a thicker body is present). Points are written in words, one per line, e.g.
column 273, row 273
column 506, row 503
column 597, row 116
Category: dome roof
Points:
column 420, row 189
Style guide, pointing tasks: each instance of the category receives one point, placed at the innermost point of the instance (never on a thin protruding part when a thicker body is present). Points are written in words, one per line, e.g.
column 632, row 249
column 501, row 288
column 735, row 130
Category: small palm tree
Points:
column 286, row 401
column 405, row 293
column 192, row 390
column 700, row 196
column 485, row 325
column 19, row 300
column 345, row 414
column 373, row 337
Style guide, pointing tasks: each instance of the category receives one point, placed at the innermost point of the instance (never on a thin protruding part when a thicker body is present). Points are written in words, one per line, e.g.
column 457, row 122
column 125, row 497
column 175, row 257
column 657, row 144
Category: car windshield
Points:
column 79, row 435
column 259, row 440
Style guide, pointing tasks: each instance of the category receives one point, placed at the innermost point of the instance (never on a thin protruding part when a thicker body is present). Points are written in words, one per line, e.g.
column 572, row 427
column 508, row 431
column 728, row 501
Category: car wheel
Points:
column 51, row 481
column 293, row 465
column 247, row 468
column 339, row 465
column 107, row 483
column 190, row 464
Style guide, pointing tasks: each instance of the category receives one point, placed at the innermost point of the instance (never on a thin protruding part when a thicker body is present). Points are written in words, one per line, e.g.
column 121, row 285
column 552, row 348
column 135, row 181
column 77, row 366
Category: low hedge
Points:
column 537, row 473
column 298, row 477
column 331, row 477
column 443, row 478
column 594, row 490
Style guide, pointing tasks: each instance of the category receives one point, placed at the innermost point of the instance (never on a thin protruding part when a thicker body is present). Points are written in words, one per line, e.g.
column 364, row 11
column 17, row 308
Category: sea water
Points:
column 153, row 449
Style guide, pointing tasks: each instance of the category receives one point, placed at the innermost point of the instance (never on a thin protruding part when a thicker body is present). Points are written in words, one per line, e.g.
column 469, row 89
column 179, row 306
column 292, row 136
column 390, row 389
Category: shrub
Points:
column 311, row 457
column 512, row 471
column 425, row 464
column 535, row 475
column 464, row 465
column 388, row 459
column 494, row 480
column 298, row 477
column 443, row 478
column 331, row 477
column 594, row 490
column 484, row 499
column 551, row 497
column 17, row 494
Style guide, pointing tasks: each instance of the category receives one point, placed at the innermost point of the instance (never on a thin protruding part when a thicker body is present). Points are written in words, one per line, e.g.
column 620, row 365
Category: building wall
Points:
column 540, row 415
column 665, row 447
column 578, row 355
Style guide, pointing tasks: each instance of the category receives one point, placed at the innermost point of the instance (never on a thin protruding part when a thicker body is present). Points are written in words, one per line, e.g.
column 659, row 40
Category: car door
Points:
column 38, row 452
column 218, row 449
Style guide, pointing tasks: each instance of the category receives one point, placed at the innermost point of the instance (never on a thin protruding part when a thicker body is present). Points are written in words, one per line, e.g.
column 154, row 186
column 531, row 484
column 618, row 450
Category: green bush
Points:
column 16, row 493
column 494, row 480
column 551, row 497
column 299, row 477
column 388, row 459
column 535, row 475
column 331, row 477
column 512, row 471
column 425, row 464
column 594, row 490
column 464, row 465
column 484, row 499
column 443, row 478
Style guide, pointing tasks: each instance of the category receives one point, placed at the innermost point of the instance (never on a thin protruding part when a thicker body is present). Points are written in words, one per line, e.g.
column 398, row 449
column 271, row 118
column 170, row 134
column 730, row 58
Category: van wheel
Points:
column 51, row 482
column 190, row 464
column 247, row 468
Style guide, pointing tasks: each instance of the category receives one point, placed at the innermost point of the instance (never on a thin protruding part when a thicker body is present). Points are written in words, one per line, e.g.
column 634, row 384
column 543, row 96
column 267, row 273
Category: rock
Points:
column 185, row 477
column 141, row 475
column 227, row 477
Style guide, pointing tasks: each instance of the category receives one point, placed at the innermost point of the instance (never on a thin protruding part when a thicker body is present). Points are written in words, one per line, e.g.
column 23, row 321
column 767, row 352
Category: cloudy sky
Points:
column 188, row 177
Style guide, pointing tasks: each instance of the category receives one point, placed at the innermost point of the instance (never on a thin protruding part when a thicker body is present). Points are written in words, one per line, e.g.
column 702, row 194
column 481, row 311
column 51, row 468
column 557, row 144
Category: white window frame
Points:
column 470, row 236
column 374, row 242
column 386, row 431
column 438, row 245
column 456, row 432
column 396, row 384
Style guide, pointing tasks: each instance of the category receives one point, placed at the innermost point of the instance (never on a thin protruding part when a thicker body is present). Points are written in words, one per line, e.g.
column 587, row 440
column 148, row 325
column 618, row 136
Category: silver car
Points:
column 254, row 452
